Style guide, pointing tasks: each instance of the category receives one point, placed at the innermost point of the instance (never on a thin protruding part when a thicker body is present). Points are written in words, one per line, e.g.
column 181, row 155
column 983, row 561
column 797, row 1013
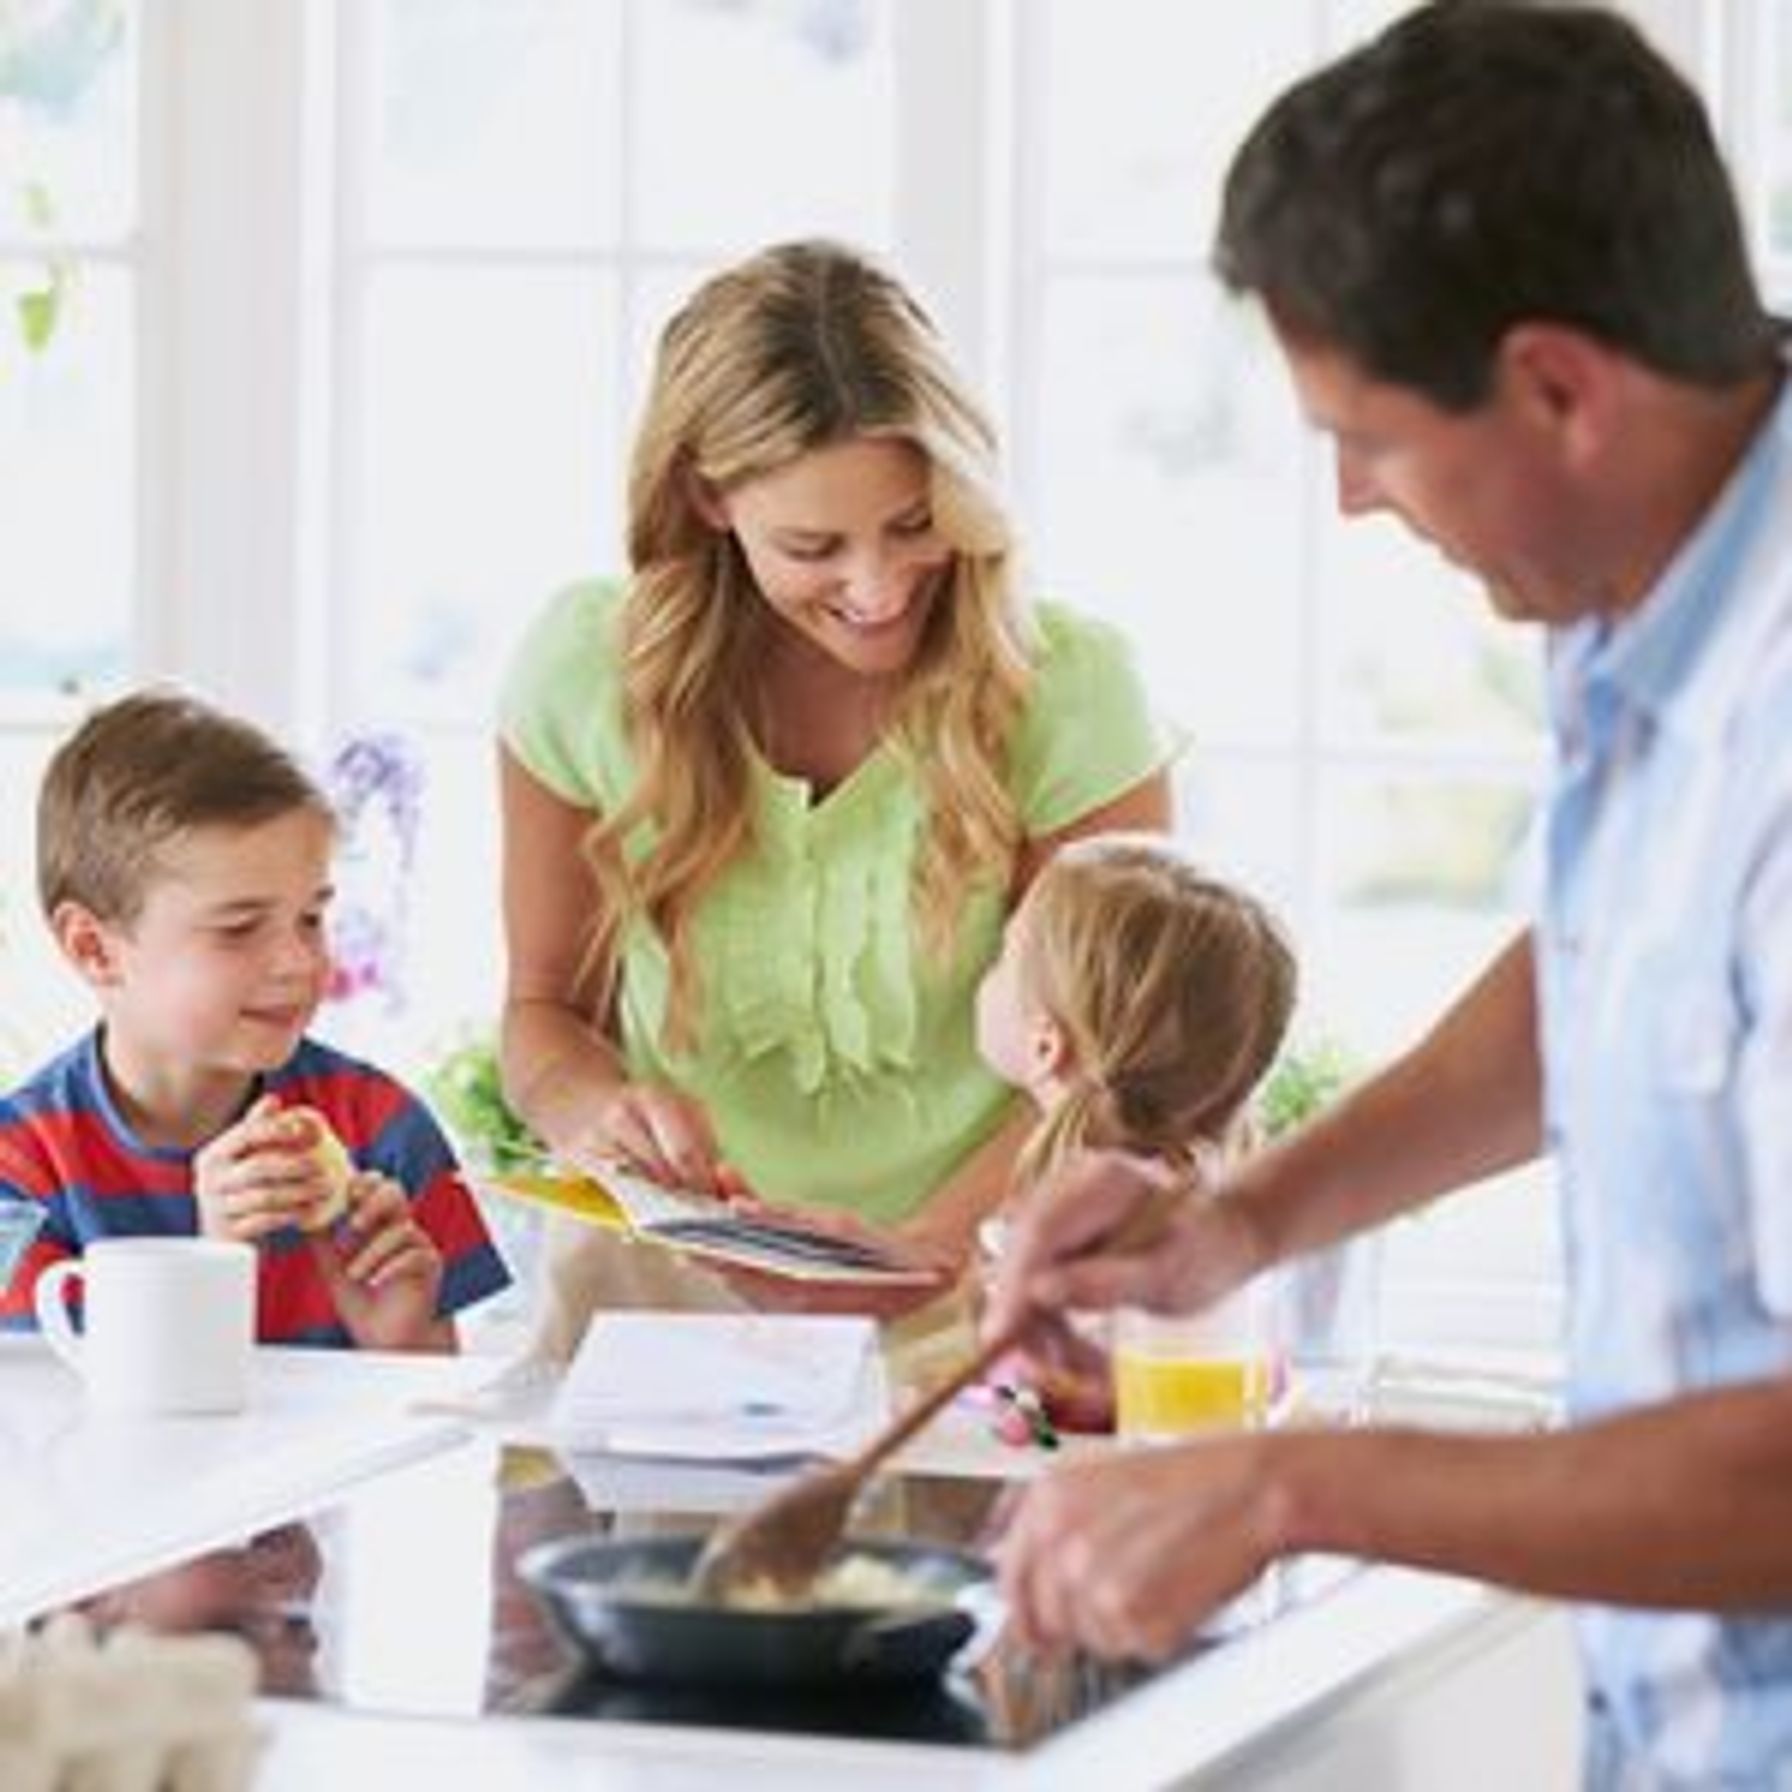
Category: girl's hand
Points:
column 1074, row 1385
column 260, row 1175
column 657, row 1133
column 383, row 1270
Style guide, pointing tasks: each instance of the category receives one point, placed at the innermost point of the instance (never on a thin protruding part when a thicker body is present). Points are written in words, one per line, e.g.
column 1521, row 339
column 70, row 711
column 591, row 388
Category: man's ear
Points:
column 89, row 944
column 1567, row 383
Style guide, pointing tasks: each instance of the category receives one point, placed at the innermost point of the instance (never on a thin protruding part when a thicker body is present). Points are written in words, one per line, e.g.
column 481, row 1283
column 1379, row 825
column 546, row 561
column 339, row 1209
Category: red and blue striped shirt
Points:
column 66, row 1148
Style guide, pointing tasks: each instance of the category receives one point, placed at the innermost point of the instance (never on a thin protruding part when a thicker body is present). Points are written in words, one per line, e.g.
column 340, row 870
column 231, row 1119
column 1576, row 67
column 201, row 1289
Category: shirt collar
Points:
column 1650, row 657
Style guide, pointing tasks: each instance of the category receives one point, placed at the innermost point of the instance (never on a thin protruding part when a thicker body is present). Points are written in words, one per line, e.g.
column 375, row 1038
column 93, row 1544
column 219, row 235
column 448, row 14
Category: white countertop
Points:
column 84, row 1501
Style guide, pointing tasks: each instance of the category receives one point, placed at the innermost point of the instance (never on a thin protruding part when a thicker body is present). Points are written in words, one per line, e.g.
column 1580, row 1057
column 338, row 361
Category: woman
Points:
column 767, row 805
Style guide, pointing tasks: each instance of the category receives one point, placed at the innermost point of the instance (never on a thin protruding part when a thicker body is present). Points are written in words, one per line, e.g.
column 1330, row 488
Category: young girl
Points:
column 1137, row 1001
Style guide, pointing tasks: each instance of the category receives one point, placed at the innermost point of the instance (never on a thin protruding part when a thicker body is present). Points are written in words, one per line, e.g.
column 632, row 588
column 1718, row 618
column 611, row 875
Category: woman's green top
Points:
column 837, row 1061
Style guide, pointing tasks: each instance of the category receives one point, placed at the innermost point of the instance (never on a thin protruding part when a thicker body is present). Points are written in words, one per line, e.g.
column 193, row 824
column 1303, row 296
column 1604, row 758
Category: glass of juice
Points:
column 1179, row 1374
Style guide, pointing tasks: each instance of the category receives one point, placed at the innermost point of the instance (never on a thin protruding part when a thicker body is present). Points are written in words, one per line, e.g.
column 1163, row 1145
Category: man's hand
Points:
column 1087, row 1239
column 1124, row 1557
column 383, row 1270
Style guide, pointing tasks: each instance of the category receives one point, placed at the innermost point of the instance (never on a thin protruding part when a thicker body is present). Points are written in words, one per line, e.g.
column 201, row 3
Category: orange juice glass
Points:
column 1178, row 1375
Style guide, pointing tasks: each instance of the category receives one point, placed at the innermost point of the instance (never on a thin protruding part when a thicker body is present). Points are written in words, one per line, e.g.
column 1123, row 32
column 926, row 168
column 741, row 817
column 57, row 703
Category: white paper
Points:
column 722, row 1386
column 611, row 1483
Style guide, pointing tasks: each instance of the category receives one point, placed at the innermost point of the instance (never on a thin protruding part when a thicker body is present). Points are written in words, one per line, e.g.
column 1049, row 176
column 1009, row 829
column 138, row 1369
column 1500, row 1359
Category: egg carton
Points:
column 129, row 1712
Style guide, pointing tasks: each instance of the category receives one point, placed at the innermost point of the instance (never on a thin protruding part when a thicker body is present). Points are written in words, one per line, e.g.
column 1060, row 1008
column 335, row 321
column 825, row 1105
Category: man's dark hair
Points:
column 1483, row 163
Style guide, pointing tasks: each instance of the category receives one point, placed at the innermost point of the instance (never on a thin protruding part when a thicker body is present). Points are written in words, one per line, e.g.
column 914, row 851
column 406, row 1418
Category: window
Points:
column 1753, row 55
column 70, row 280
column 319, row 355
column 528, row 194
column 1363, row 741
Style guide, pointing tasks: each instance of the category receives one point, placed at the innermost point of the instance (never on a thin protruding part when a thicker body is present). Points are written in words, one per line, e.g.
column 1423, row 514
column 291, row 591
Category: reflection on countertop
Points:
column 402, row 1597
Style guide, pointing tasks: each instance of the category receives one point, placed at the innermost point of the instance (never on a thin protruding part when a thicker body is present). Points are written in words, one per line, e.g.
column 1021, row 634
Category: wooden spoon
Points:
column 783, row 1543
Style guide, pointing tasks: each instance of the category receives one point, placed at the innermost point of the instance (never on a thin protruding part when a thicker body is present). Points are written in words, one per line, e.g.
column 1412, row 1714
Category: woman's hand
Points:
column 657, row 1133
column 786, row 1294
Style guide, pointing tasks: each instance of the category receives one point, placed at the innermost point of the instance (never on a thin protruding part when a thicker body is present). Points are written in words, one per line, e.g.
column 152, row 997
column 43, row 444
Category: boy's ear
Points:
column 87, row 942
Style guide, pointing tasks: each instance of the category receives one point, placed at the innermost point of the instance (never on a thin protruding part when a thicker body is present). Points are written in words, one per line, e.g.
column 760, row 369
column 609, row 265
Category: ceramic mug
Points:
column 168, row 1324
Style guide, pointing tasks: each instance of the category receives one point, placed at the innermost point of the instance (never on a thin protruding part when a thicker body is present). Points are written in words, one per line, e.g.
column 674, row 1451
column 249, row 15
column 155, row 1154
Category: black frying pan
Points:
column 584, row 1582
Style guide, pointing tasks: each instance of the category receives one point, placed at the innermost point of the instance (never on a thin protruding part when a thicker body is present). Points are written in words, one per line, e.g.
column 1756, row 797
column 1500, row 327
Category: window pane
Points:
column 1144, row 102
column 68, row 494
column 1412, row 649
column 68, row 119
column 435, row 919
column 1169, row 492
column 1422, row 880
column 45, row 1004
column 491, row 473
column 1242, row 816
column 495, row 121
column 759, row 120
column 1777, row 141
column 654, row 296
column 1351, row 22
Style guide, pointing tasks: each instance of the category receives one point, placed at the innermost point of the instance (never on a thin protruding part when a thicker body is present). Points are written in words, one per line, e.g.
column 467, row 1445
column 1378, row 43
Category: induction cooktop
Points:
column 401, row 1597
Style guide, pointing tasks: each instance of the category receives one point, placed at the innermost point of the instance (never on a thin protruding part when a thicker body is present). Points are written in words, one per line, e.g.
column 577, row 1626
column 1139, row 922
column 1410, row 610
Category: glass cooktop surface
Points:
column 402, row 1596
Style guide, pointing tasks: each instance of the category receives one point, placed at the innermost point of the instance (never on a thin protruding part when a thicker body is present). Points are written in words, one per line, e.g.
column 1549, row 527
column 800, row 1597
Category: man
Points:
column 1502, row 260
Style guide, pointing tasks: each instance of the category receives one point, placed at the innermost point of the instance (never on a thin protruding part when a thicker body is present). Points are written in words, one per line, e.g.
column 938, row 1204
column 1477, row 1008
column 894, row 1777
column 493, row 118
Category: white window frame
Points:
column 244, row 416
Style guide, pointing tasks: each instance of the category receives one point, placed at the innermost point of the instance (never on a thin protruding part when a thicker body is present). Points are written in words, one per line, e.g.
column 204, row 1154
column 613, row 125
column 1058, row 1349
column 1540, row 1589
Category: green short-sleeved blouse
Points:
column 837, row 1063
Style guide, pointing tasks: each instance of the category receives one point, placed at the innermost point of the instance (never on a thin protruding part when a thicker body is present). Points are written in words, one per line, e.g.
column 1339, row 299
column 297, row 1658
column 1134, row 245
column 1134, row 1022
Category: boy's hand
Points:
column 383, row 1270
column 263, row 1173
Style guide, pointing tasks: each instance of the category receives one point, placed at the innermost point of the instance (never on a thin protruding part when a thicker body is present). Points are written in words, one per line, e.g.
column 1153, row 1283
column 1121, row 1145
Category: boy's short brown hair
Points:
column 137, row 774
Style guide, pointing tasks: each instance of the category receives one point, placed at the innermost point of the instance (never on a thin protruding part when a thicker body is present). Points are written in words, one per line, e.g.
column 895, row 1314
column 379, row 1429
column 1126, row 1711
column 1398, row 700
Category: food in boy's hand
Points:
column 338, row 1168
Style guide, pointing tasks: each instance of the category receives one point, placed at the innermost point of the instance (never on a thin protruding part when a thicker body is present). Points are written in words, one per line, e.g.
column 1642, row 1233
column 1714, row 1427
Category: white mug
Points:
column 168, row 1323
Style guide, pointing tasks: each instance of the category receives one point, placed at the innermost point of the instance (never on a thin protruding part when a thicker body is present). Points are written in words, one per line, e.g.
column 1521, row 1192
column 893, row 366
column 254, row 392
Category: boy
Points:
column 183, row 867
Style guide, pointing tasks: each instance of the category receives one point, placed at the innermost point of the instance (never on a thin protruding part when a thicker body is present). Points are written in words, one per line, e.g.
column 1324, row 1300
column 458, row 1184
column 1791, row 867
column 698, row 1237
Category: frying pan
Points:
column 591, row 1587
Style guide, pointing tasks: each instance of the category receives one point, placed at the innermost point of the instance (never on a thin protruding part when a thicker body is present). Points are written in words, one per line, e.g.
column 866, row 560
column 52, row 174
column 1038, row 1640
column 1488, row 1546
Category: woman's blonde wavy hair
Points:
column 801, row 347
column 1174, row 991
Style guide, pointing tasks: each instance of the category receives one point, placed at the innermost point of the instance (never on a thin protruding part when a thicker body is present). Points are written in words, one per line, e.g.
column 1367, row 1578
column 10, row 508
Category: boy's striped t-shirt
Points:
column 65, row 1146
